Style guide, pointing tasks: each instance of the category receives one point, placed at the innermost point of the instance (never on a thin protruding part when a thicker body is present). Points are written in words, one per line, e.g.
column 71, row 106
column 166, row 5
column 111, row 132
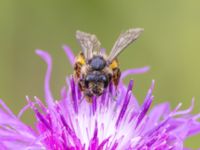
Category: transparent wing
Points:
column 123, row 41
column 89, row 43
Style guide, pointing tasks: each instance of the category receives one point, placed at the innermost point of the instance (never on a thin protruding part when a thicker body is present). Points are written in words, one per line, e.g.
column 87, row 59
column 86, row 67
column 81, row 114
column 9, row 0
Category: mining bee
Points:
column 93, row 69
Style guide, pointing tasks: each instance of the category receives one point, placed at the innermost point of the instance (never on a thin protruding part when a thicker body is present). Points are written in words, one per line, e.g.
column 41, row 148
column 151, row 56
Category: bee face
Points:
column 95, row 70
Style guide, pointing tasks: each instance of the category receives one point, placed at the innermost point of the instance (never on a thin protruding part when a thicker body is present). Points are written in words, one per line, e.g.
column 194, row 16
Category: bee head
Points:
column 96, row 82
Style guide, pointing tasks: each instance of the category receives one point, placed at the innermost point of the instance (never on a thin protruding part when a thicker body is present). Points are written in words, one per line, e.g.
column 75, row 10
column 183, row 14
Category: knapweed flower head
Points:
column 111, row 122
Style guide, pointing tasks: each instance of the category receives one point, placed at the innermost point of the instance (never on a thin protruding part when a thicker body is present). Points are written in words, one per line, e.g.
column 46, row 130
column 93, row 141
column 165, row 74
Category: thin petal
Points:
column 47, row 58
column 134, row 71
column 70, row 54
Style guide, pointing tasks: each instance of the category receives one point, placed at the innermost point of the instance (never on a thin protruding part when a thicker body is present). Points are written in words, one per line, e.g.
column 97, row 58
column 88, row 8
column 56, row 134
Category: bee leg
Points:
column 81, row 85
column 79, row 62
column 116, row 76
column 88, row 96
column 89, row 99
column 113, row 97
column 81, row 99
column 77, row 70
column 115, row 79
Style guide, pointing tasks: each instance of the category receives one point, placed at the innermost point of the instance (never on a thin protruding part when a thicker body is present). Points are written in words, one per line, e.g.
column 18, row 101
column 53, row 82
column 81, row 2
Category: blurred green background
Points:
column 170, row 45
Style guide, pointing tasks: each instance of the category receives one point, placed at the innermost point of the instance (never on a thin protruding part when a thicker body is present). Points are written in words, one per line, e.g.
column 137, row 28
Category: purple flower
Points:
column 110, row 122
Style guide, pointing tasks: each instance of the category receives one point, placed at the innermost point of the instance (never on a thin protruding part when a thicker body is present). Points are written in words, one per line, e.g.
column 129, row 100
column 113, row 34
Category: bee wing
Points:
column 89, row 43
column 123, row 41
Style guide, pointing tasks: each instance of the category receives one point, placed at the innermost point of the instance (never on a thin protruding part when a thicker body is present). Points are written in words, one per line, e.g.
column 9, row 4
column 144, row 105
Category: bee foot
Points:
column 81, row 100
column 113, row 97
column 89, row 99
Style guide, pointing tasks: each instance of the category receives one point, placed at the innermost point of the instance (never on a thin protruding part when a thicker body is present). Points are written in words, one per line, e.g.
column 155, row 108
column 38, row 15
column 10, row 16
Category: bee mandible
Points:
column 93, row 69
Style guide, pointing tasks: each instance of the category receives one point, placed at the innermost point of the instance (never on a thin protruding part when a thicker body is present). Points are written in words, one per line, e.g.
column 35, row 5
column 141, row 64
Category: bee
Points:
column 93, row 69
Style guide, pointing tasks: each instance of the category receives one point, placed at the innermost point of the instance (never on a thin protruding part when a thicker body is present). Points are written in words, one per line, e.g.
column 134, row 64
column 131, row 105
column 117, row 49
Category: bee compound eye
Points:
column 104, row 79
column 87, row 81
column 89, row 78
